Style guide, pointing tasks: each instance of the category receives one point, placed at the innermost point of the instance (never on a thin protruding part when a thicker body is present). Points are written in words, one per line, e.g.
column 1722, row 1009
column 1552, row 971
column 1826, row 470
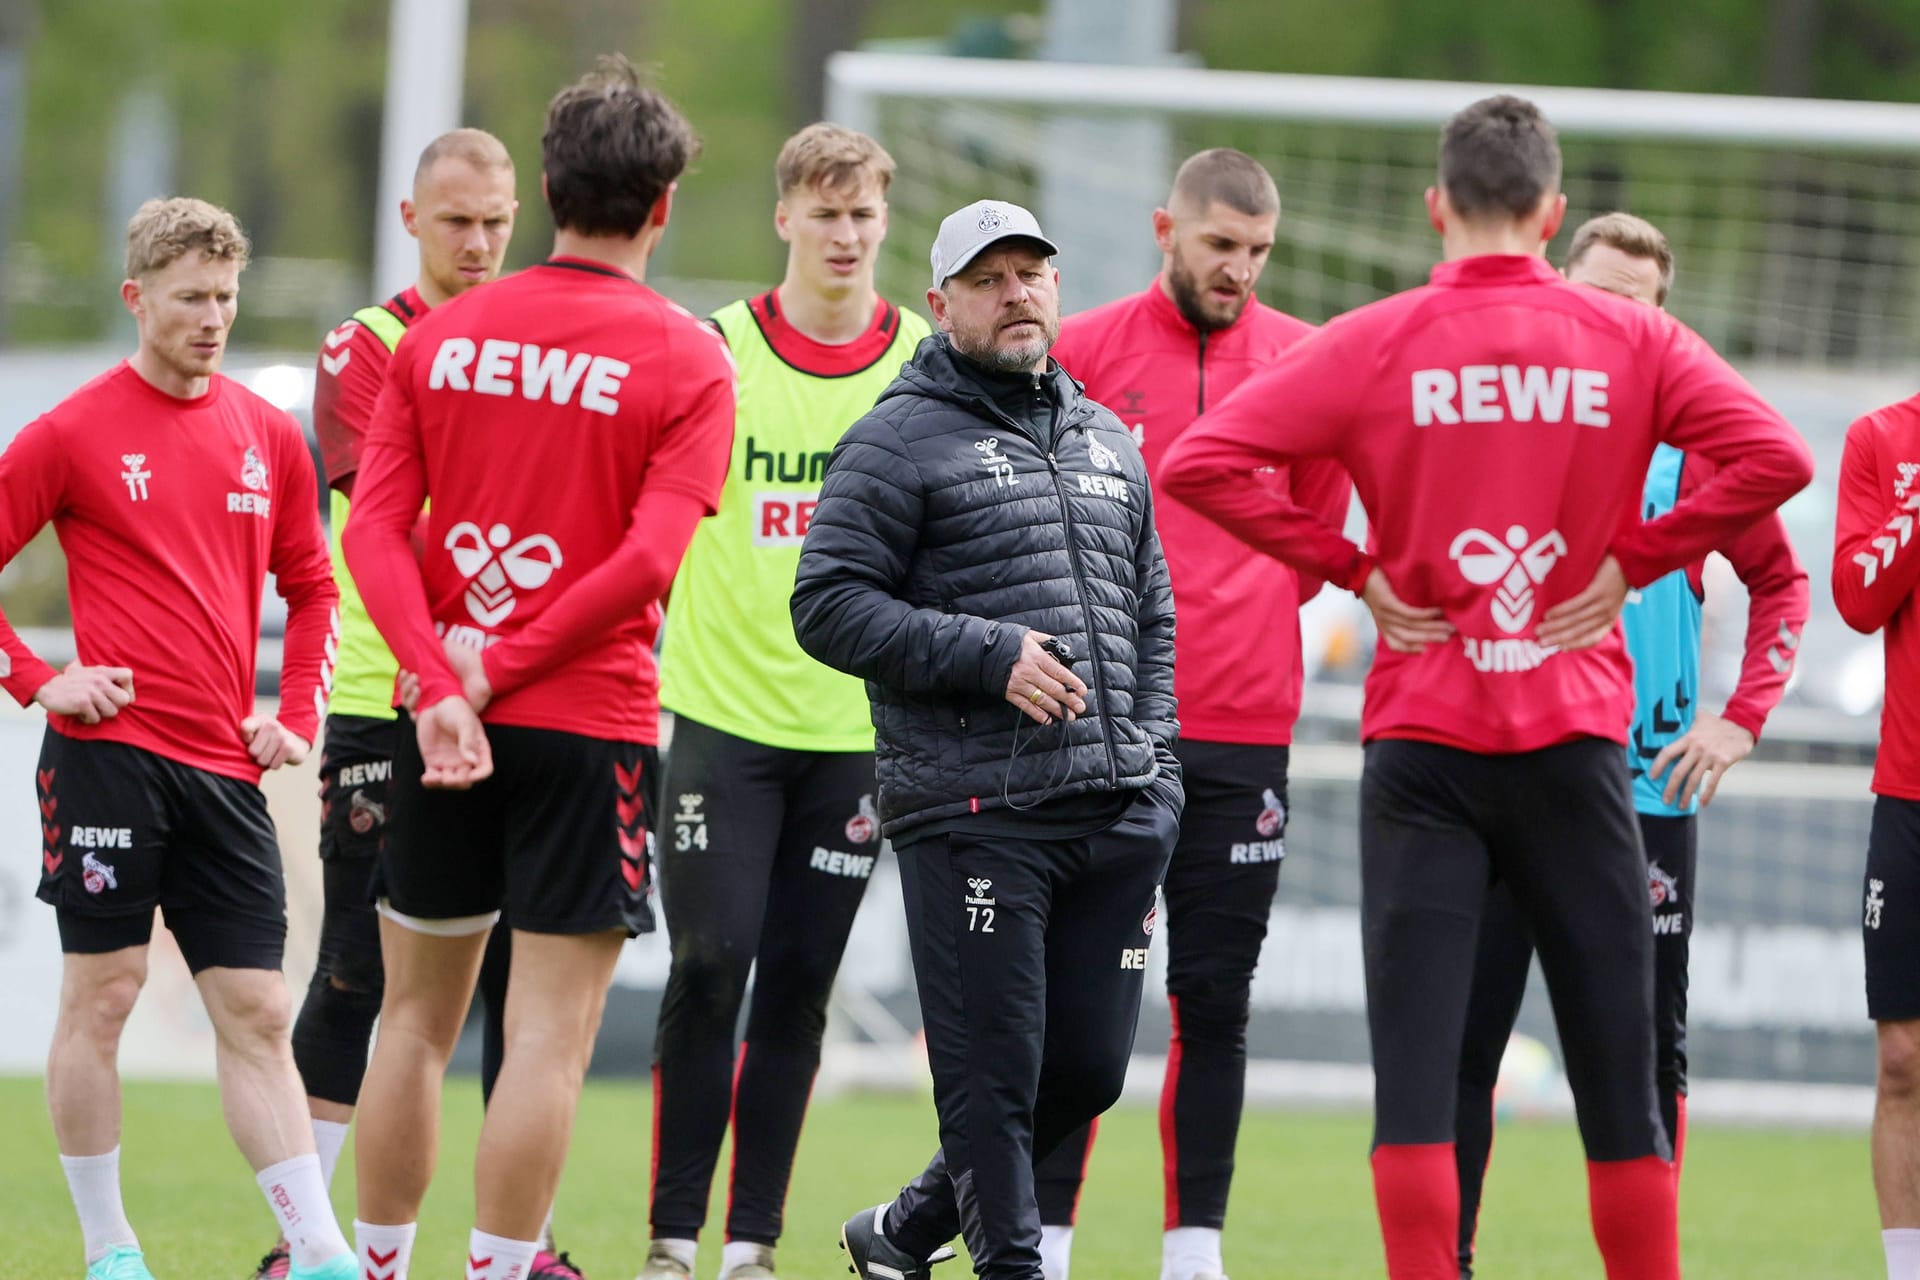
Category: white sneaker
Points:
column 758, row 1267
column 662, row 1265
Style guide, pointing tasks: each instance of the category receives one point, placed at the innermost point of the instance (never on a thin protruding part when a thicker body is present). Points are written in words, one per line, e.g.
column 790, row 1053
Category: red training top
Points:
column 1875, row 565
column 172, row 513
column 1778, row 602
column 1497, row 423
column 1239, row 673
column 347, row 377
column 555, row 417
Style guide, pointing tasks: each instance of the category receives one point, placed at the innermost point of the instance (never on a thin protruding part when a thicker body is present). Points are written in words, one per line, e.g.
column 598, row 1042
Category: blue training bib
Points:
column 1662, row 624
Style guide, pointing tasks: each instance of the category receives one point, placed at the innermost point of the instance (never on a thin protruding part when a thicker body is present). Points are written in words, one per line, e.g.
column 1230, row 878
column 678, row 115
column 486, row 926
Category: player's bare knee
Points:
column 1899, row 1062
column 256, row 1014
column 99, row 1006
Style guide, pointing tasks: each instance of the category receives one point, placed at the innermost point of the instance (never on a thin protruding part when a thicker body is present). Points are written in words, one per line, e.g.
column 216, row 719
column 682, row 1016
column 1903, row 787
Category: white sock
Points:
column 1056, row 1251
column 329, row 1136
column 683, row 1250
column 95, row 1184
column 498, row 1258
column 297, row 1194
column 738, row 1253
column 1186, row 1251
column 385, row 1252
column 1903, row 1252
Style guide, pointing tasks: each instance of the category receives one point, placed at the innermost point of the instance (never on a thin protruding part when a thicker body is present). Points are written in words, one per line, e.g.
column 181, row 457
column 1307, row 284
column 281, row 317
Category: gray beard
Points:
column 1020, row 359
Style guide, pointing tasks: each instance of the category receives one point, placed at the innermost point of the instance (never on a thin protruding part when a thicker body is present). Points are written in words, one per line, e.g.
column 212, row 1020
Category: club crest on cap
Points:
column 991, row 219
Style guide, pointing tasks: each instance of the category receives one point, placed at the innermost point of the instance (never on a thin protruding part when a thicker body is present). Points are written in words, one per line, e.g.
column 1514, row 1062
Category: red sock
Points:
column 1679, row 1132
column 1417, row 1190
column 1634, row 1219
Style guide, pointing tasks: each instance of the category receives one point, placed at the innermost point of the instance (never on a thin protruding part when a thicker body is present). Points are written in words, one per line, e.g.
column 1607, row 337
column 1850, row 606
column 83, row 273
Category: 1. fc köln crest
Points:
column 864, row 826
column 1273, row 814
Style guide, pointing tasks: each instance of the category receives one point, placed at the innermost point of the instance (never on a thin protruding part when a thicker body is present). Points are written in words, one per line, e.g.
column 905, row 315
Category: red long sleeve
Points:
column 390, row 489
column 1703, row 407
column 1323, row 487
column 1778, row 603
column 628, row 583
column 33, row 477
column 1875, row 564
column 303, row 575
column 1296, row 409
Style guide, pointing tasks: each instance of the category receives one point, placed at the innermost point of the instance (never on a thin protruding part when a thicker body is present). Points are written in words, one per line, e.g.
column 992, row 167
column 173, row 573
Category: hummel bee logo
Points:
column 136, row 475
column 980, row 907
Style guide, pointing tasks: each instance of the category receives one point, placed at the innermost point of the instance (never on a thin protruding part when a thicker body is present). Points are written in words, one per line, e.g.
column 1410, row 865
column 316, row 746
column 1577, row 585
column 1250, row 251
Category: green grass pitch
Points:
column 1755, row 1204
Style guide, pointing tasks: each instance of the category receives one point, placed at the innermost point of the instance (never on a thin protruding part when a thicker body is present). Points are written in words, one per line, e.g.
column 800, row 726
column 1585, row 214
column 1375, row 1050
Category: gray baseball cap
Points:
column 966, row 233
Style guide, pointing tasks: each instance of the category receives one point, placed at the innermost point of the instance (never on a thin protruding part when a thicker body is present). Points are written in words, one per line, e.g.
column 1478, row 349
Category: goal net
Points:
column 1796, row 224
column 1796, row 228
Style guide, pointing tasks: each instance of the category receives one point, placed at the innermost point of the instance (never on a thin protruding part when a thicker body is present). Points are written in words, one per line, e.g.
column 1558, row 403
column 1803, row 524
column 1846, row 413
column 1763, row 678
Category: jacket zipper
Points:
column 1200, row 405
column 1086, row 609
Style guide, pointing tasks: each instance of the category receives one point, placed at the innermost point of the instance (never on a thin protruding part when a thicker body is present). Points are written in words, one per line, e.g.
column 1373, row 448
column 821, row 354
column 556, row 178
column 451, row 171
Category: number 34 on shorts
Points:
column 689, row 822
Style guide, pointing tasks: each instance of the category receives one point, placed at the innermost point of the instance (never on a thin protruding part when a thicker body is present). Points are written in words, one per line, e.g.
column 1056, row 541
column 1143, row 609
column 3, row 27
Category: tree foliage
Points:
column 276, row 108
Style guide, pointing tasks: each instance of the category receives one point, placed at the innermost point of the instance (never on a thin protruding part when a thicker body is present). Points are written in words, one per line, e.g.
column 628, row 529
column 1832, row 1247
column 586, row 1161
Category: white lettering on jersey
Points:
column 553, row 368
column 450, row 365
column 549, row 374
column 490, row 375
column 101, row 838
column 258, row 504
column 603, row 385
column 1509, row 393
column 1133, row 957
column 1503, row 657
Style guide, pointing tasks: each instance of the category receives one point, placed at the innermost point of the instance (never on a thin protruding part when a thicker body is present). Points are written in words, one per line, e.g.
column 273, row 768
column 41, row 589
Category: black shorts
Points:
column 561, row 837
column 1890, row 912
column 123, row 830
column 356, row 770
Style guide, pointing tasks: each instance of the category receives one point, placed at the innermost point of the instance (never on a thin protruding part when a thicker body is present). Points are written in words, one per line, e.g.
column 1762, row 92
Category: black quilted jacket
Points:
column 967, row 507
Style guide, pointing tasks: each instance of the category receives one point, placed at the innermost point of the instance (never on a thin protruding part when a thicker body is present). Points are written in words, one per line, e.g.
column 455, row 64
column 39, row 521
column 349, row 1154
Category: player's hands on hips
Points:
column 1041, row 686
column 471, row 667
column 272, row 744
column 1582, row 621
column 1701, row 757
column 88, row 694
column 1402, row 627
column 408, row 687
column 454, row 746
